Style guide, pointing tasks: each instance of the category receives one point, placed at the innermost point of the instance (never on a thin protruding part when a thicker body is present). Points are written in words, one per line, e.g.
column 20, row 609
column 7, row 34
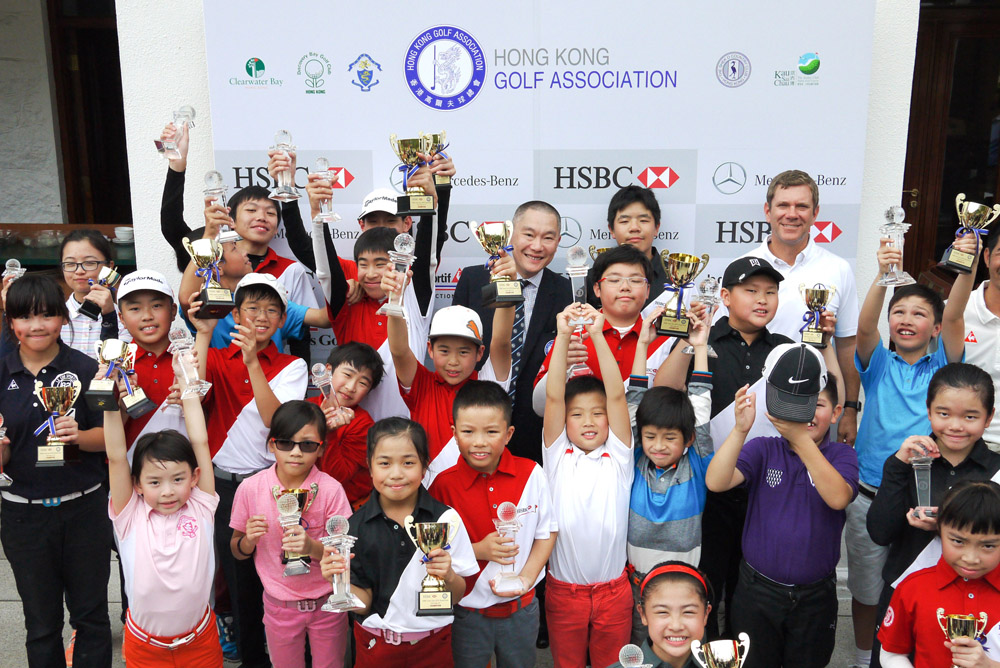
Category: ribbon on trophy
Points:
column 440, row 151
column 50, row 424
column 209, row 273
column 980, row 232
column 115, row 365
column 812, row 318
column 679, row 289
column 409, row 171
column 493, row 258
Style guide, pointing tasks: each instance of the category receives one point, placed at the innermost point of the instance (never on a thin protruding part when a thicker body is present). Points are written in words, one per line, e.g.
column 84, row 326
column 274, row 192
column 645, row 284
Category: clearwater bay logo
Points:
column 364, row 72
column 256, row 76
column 733, row 69
column 445, row 68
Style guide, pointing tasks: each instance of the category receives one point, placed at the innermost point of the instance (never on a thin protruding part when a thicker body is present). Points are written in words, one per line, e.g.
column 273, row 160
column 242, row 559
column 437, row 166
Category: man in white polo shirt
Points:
column 791, row 209
column 982, row 329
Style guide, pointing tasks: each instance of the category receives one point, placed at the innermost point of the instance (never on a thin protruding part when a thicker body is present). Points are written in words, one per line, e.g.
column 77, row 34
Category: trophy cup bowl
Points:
column 721, row 653
column 682, row 269
column 101, row 393
column 107, row 277
column 437, row 142
column 58, row 401
column 960, row 625
column 816, row 298
column 216, row 301
column 135, row 401
column 415, row 202
column 974, row 217
column 433, row 597
column 500, row 292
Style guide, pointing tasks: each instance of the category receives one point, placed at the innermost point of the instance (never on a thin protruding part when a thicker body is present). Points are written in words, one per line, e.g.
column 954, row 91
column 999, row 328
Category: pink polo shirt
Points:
column 255, row 496
column 169, row 561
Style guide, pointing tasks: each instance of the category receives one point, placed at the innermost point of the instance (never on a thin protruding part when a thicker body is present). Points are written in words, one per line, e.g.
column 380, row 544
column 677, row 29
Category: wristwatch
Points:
column 856, row 405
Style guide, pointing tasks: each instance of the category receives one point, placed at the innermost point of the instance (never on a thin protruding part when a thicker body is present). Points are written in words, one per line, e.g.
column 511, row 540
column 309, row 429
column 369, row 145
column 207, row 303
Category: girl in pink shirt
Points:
column 287, row 552
column 163, row 511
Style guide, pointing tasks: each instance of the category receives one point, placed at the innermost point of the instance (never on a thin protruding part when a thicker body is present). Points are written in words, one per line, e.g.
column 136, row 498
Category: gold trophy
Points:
column 415, row 202
column 438, row 143
column 216, row 301
column 681, row 269
column 595, row 252
column 721, row 653
column 433, row 597
column 500, row 292
column 101, row 393
column 135, row 400
column 961, row 626
column 107, row 277
column 974, row 218
column 292, row 503
column 58, row 400
column 816, row 299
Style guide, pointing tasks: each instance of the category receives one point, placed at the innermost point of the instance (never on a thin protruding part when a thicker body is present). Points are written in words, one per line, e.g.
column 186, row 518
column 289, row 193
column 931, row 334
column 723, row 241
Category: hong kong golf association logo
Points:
column 445, row 68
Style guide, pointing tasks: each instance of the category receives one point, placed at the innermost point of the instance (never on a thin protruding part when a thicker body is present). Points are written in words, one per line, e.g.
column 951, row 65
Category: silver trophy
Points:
column 721, row 653
column 215, row 187
column 13, row 268
column 630, row 656
column 401, row 258
column 507, row 526
column 325, row 215
column 708, row 294
column 895, row 229
column 342, row 599
column 185, row 365
column 285, row 191
column 5, row 480
column 922, row 475
column 182, row 117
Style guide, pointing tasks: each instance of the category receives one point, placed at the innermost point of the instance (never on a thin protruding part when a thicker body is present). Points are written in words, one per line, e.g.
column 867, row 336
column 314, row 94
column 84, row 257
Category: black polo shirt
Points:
column 383, row 549
column 738, row 363
column 898, row 493
column 23, row 413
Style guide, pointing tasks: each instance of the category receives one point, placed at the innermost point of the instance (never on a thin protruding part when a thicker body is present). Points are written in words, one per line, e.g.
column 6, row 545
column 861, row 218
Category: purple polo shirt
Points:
column 791, row 535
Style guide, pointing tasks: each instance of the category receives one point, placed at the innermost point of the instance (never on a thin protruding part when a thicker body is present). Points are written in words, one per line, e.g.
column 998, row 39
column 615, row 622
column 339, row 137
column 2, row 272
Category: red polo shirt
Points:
column 273, row 264
column 345, row 457
column 360, row 322
column 349, row 267
column 154, row 374
column 911, row 624
column 622, row 347
column 430, row 399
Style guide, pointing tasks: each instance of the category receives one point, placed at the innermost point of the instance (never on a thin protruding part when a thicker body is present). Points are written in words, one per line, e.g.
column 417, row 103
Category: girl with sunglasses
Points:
column 287, row 557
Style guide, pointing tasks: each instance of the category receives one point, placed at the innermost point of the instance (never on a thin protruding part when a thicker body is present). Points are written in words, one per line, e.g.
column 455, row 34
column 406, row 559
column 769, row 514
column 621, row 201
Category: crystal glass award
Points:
column 185, row 365
column 13, row 268
column 401, row 258
column 182, row 117
column 341, row 599
column 576, row 269
column 894, row 229
column 507, row 580
column 215, row 187
column 285, row 191
column 708, row 294
column 325, row 215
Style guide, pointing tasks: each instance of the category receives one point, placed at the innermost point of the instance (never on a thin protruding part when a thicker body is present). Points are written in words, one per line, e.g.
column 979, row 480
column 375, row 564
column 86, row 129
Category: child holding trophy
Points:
column 587, row 456
column 283, row 541
column 53, row 520
column 387, row 570
column 943, row 615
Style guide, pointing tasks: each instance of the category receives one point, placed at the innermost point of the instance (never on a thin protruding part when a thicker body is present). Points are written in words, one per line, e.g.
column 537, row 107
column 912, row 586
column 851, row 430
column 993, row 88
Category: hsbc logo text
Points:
column 602, row 178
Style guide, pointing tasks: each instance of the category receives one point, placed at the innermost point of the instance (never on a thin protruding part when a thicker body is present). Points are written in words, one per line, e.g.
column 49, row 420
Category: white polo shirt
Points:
column 982, row 347
column 590, row 494
column 813, row 265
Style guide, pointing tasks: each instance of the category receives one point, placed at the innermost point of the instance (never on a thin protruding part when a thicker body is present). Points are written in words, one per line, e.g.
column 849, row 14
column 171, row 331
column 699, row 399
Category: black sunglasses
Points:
column 287, row 445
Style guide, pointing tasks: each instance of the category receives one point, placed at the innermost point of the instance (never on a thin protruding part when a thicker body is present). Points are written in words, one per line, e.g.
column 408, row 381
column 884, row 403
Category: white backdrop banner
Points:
column 567, row 102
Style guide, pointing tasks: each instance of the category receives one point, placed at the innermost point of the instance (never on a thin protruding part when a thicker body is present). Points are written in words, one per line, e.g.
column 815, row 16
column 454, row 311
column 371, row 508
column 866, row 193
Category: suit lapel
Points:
column 542, row 312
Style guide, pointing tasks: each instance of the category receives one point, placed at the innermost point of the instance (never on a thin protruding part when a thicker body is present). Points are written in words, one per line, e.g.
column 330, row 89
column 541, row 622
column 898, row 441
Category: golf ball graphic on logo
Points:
column 808, row 63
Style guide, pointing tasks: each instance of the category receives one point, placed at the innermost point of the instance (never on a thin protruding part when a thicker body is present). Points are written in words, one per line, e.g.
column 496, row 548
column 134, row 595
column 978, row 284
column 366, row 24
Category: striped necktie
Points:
column 516, row 344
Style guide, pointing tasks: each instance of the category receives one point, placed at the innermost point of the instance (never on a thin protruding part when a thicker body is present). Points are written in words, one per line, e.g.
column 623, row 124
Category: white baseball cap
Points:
column 381, row 199
column 144, row 279
column 270, row 281
column 457, row 321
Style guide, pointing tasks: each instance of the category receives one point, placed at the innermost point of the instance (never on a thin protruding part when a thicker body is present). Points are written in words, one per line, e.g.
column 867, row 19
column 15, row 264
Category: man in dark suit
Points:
column 535, row 242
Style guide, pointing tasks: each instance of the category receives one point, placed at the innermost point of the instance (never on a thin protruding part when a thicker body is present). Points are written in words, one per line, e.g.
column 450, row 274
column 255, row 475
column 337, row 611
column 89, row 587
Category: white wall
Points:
column 150, row 34
column 30, row 188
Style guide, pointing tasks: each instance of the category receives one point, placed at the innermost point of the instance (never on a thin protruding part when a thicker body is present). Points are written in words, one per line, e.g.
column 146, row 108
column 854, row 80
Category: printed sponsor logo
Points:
column 444, row 68
column 314, row 66
column 729, row 178
column 733, row 69
column 364, row 68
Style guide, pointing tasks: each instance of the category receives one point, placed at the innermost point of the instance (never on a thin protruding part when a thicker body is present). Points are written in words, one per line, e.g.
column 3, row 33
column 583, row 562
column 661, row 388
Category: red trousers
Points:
column 581, row 618
column 204, row 651
column 373, row 651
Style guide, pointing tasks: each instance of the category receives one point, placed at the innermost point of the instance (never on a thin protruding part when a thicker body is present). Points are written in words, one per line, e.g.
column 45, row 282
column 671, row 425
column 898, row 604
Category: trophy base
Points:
column 433, row 603
column 502, row 294
column 389, row 308
column 668, row 325
column 57, row 453
column 415, row 205
column 689, row 350
column 814, row 337
column 5, row 480
column 90, row 309
column 137, row 404
column 215, row 303
column 896, row 278
column 958, row 261
column 442, row 184
column 285, row 194
column 196, row 388
column 506, row 583
column 101, row 395
column 578, row 370
column 342, row 603
column 326, row 218
column 296, row 567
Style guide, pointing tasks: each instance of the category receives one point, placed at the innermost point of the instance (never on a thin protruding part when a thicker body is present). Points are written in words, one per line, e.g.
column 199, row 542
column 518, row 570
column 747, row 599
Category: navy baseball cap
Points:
column 743, row 268
column 795, row 374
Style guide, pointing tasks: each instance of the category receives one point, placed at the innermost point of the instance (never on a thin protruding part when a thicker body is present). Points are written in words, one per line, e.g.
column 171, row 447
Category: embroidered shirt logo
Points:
column 13, row 385
column 188, row 526
column 890, row 617
column 971, row 338
column 773, row 477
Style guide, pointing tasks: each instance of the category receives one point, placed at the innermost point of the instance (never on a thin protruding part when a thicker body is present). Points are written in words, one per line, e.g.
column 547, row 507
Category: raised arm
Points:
column 554, row 420
column 722, row 473
column 328, row 270
column 403, row 358
column 172, row 225
column 295, row 232
column 953, row 319
column 119, row 471
column 503, row 323
column 194, row 420
column 871, row 308
column 618, row 418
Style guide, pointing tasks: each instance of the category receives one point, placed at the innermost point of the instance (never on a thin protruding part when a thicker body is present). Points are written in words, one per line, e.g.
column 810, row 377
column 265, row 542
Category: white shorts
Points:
column 865, row 558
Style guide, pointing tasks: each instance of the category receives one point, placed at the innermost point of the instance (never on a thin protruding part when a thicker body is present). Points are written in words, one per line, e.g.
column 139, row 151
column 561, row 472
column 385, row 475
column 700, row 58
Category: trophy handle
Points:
column 959, row 204
column 941, row 617
column 311, row 496
column 744, row 647
column 187, row 246
column 698, row 653
column 411, row 530
column 993, row 216
column 77, row 390
column 701, row 267
column 454, row 521
column 981, row 624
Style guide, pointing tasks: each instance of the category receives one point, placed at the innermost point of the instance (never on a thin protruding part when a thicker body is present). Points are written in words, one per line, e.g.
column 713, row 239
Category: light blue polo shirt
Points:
column 294, row 327
column 895, row 405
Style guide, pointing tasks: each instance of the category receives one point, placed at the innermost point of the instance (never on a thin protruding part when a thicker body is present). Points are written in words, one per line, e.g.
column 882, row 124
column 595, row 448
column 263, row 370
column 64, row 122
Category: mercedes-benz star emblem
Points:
column 729, row 178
